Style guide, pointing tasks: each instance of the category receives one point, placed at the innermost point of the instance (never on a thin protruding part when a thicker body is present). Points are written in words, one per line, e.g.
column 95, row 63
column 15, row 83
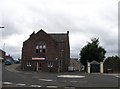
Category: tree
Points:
column 92, row 51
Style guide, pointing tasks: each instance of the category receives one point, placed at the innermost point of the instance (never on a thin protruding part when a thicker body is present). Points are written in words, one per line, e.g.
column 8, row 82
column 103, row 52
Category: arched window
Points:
column 41, row 48
column 37, row 49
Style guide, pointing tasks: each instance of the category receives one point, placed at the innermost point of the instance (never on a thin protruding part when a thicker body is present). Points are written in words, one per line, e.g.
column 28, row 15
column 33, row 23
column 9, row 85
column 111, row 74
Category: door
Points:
column 39, row 66
column 95, row 68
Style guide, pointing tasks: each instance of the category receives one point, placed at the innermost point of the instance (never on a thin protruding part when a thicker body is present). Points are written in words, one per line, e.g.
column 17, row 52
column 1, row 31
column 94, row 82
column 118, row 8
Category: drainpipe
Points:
column 37, row 67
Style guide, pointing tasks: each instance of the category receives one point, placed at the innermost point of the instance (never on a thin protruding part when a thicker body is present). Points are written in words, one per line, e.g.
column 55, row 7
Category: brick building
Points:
column 46, row 52
column 75, row 63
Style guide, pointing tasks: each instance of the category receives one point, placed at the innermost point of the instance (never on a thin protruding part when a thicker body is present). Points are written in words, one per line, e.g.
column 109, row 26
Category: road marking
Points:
column 35, row 86
column 52, row 86
column 47, row 80
column 70, row 76
column 20, row 84
column 111, row 74
column 7, row 83
column 117, row 76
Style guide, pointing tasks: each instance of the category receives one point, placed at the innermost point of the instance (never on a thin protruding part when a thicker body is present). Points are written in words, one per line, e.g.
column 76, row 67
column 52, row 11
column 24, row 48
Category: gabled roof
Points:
column 2, row 50
column 59, row 37
column 94, row 62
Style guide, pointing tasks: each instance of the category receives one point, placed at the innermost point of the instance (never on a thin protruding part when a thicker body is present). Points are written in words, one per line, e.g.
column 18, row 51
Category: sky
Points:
column 84, row 19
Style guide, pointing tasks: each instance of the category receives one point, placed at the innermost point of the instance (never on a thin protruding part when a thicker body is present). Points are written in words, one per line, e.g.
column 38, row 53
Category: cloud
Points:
column 83, row 18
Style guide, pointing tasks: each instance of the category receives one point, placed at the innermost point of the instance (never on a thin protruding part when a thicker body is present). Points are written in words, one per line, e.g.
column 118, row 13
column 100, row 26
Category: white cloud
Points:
column 83, row 18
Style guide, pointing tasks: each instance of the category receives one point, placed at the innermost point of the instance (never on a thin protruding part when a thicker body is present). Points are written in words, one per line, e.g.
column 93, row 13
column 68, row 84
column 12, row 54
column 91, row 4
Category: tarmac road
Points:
column 0, row 74
column 13, row 78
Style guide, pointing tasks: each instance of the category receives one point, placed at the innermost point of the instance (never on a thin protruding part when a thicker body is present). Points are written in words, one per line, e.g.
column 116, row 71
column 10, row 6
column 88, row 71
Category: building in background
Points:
column 74, row 64
column 2, row 55
column 9, row 58
column 48, row 52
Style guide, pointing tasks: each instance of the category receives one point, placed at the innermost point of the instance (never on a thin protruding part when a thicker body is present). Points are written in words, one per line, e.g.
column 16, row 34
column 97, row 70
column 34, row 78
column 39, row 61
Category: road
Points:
column 0, row 74
column 13, row 78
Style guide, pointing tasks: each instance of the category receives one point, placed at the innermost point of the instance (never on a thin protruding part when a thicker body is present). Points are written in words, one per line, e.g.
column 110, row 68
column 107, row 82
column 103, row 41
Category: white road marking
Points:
column 47, row 80
column 52, row 86
column 70, row 76
column 35, row 86
column 117, row 76
column 111, row 74
column 7, row 83
column 20, row 84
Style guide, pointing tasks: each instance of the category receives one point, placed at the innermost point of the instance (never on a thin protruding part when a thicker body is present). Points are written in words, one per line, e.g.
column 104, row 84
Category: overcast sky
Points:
column 84, row 19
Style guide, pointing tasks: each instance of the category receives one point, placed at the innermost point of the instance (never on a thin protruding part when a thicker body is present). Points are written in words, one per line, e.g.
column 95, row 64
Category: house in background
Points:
column 75, row 64
column 9, row 58
column 49, row 52
column 2, row 55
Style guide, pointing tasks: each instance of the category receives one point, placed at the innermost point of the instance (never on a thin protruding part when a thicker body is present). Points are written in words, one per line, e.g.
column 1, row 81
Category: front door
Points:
column 39, row 66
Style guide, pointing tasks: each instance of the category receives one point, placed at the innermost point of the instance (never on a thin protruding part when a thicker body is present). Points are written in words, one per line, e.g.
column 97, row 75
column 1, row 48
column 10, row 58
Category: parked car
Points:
column 7, row 63
column 16, row 62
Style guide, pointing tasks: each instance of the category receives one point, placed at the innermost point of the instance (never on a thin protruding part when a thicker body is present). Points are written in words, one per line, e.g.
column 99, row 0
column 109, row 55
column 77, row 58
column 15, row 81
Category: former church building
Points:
column 46, row 52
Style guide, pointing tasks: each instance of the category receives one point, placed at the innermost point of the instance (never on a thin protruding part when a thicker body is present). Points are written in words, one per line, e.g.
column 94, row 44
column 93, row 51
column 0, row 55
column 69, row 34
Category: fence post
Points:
column 88, row 67
column 101, row 67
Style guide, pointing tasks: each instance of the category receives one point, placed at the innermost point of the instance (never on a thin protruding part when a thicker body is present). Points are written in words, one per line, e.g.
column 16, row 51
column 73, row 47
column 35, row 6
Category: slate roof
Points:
column 59, row 37
column 2, row 50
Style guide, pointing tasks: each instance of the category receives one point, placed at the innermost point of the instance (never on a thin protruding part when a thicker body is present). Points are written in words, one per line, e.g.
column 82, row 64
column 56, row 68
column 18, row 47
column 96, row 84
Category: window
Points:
column 37, row 49
column 28, row 64
column 41, row 48
column 50, row 64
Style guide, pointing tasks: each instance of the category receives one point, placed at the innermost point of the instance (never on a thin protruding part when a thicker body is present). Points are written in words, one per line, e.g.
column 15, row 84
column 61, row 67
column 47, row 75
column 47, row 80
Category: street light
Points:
column 2, row 27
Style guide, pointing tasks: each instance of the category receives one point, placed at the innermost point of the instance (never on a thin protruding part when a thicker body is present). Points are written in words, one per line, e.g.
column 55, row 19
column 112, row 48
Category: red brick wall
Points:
column 53, row 52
